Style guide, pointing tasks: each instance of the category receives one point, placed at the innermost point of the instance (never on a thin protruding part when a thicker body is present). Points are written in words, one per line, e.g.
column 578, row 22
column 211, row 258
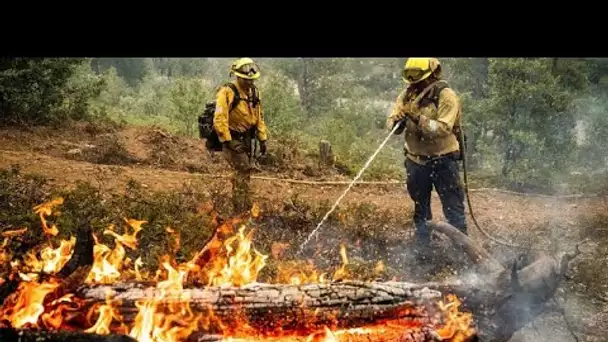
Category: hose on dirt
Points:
column 466, row 191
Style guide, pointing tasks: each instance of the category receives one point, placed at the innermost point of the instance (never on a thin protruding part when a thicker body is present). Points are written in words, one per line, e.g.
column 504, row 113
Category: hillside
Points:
column 110, row 158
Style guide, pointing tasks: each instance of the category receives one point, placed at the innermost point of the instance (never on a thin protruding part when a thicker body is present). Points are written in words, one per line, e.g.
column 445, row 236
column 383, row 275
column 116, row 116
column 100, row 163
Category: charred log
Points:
column 423, row 334
column 83, row 253
column 268, row 307
column 76, row 270
column 503, row 300
column 14, row 335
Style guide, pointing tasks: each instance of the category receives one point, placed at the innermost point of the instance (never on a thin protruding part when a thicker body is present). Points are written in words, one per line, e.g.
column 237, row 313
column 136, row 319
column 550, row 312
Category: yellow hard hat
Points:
column 245, row 68
column 418, row 69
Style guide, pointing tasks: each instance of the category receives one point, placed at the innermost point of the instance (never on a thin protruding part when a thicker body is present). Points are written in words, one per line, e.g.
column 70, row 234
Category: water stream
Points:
column 367, row 164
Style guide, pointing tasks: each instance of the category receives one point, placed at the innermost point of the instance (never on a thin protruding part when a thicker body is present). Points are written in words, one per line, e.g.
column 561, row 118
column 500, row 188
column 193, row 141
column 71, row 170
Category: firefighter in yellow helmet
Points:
column 238, row 128
column 429, row 112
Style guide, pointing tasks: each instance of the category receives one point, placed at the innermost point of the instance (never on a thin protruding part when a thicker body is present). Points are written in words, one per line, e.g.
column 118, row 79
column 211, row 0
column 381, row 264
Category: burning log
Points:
column 294, row 307
column 14, row 335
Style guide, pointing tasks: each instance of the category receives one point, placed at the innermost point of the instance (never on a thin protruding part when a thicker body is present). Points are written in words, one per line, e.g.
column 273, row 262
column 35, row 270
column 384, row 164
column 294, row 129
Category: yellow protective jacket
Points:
column 434, row 134
column 241, row 118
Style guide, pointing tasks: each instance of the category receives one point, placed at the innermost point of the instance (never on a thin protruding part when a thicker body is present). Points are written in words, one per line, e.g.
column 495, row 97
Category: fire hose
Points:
column 466, row 191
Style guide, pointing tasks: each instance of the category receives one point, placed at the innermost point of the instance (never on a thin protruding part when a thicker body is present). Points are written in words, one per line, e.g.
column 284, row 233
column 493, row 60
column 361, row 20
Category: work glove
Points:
column 408, row 111
column 415, row 117
column 405, row 111
column 263, row 147
column 400, row 116
column 235, row 146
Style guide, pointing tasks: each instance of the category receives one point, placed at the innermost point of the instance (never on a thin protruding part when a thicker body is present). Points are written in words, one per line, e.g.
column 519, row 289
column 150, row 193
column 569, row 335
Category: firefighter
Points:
column 429, row 111
column 237, row 128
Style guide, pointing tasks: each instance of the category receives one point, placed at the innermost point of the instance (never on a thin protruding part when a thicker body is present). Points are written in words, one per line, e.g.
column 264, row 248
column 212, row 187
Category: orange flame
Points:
column 25, row 306
column 45, row 209
column 457, row 325
column 227, row 260
column 242, row 267
column 108, row 264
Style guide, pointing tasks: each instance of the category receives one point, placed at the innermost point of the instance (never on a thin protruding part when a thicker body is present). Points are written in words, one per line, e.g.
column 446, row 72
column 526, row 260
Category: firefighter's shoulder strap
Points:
column 237, row 95
column 436, row 90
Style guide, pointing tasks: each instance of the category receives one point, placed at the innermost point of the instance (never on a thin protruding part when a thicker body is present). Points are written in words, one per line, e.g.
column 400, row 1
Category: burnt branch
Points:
column 504, row 300
column 82, row 255
column 475, row 252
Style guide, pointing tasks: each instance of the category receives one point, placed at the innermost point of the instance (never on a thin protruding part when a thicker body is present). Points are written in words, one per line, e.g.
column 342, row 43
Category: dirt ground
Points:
column 111, row 157
column 73, row 156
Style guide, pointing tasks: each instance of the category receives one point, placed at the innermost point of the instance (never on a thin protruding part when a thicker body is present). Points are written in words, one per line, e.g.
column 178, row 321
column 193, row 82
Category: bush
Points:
column 46, row 90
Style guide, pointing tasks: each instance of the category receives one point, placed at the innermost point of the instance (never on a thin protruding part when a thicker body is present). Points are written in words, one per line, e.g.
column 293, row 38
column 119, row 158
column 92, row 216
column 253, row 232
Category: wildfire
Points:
column 228, row 260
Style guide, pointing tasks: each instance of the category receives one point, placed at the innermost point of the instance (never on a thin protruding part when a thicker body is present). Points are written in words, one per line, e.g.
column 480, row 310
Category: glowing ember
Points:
column 228, row 260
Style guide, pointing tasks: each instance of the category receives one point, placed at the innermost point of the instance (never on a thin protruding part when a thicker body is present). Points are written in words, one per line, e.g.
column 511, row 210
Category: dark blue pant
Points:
column 442, row 173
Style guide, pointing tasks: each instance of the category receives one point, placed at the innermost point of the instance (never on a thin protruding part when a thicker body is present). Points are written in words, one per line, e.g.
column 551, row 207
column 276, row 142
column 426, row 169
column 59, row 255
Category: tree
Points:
column 188, row 96
column 35, row 90
column 132, row 70
column 528, row 109
column 180, row 66
column 319, row 81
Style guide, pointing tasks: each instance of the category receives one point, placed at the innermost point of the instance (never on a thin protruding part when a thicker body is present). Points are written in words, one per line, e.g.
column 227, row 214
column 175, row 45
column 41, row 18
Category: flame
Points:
column 45, row 209
column 242, row 267
column 25, row 306
column 228, row 259
column 342, row 272
column 255, row 210
column 457, row 323
column 176, row 321
column 108, row 263
column 299, row 272
column 13, row 233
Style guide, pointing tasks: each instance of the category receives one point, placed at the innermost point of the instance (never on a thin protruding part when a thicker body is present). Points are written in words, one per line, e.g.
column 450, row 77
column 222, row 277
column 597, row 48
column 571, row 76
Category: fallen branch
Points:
column 504, row 300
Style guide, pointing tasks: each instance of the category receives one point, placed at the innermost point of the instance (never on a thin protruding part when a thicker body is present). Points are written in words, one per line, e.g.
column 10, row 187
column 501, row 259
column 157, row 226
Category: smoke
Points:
column 592, row 126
